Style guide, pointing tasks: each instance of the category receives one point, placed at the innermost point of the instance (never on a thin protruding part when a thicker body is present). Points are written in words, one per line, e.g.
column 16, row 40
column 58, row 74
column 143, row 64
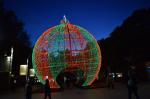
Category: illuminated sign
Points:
column 23, row 70
column 32, row 72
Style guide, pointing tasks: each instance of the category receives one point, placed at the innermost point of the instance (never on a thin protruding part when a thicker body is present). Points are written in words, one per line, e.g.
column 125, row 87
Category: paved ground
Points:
column 120, row 92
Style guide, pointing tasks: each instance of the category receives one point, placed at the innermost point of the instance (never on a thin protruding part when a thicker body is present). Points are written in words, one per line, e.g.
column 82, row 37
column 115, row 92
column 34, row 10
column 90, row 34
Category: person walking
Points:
column 109, row 78
column 47, row 89
column 110, row 81
column 132, row 83
column 28, row 89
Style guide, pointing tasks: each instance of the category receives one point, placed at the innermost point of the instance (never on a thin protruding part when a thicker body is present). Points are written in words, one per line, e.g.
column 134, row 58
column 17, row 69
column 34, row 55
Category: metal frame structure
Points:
column 66, row 48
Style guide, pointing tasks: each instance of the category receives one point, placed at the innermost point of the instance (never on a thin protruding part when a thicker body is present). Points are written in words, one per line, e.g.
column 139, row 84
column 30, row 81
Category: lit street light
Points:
column 11, row 59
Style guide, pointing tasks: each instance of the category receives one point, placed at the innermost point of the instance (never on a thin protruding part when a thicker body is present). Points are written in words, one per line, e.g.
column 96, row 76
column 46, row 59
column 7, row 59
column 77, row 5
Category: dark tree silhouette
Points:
column 132, row 37
column 129, row 43
column 12, row 34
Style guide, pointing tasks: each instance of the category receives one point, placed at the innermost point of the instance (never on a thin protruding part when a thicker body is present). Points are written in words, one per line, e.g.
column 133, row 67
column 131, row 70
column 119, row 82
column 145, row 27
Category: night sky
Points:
column 100, row 17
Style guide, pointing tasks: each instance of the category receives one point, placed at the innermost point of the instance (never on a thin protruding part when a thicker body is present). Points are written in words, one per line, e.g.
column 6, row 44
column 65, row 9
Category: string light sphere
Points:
column 66, row 48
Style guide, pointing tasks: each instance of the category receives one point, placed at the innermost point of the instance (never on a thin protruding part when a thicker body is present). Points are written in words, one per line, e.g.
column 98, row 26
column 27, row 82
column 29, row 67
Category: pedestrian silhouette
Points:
column 109, row 78
column 132, row 83
column 28, row 89
column 110, row 81
column 13, row 83
column 47, row 89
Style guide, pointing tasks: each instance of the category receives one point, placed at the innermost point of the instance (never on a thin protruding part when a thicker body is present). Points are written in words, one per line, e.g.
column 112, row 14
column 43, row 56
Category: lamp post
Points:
column 27, row 72
column 11, row 60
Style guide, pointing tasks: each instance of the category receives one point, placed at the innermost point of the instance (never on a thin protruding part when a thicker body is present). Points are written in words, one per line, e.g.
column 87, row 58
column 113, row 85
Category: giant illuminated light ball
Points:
column 66, row 48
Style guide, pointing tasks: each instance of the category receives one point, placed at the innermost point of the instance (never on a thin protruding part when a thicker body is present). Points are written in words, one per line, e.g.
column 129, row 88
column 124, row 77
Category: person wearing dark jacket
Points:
column 28, row 90
column 132, row 83
column 47, row 89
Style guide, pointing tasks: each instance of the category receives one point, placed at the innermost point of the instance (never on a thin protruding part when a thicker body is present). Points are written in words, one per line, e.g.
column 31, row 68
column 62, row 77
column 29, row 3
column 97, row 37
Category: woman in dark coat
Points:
column 47, row 89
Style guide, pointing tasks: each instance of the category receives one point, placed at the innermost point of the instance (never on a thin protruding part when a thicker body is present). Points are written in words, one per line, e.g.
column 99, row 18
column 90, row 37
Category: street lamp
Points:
column 11, row 60
column 27, row 72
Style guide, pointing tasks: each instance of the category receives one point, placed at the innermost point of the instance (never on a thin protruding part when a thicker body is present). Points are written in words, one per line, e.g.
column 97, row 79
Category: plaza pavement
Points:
column 119, row 92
